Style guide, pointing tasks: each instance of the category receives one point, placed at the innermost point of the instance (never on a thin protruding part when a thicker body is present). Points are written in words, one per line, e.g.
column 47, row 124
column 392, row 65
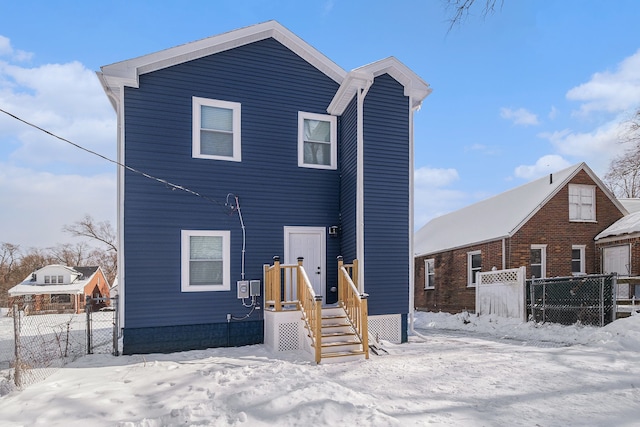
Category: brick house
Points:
column 60, row 289
column 547, row 225
column 616, row 250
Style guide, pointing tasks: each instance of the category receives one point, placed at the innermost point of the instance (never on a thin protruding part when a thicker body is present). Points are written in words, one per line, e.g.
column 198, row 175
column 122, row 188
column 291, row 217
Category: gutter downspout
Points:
column 362, row 92
column 411, row 221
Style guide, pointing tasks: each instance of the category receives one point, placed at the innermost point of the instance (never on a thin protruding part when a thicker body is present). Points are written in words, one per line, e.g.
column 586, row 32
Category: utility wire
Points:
column 146, row 175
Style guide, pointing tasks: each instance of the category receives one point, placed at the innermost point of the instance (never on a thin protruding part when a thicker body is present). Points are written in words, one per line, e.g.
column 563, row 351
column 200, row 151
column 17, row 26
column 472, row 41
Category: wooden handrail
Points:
column 353, row 302
column 288, row 285
column 310, row 305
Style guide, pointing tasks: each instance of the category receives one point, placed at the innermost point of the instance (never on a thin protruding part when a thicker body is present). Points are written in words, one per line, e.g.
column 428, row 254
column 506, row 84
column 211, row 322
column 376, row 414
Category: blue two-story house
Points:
column 247, row 146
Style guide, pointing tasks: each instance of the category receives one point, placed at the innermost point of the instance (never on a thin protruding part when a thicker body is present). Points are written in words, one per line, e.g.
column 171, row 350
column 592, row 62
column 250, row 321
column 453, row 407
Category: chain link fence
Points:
column 34, row 343
column 587, row 300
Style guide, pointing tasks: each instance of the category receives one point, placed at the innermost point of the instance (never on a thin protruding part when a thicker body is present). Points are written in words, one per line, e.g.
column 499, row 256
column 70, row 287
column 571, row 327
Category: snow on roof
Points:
column 29, row 287
column 626, row 225
column 630, row 204
column 495, row 218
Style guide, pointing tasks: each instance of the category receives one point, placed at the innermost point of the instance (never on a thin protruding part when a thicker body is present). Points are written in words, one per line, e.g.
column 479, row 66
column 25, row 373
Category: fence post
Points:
column 17, row 364
column 87, row 309
column 602, row 301
column 116, row 327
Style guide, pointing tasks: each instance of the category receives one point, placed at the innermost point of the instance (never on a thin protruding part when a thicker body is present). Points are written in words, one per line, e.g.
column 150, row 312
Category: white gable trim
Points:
column 414, row 87
column 126, row 73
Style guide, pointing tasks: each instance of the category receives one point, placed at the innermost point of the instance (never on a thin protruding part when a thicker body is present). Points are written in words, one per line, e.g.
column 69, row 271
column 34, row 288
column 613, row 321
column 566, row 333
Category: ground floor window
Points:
column 205, row 260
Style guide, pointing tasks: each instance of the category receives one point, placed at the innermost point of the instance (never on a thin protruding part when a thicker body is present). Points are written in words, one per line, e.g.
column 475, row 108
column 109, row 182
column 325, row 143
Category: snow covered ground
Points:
column 459, row 370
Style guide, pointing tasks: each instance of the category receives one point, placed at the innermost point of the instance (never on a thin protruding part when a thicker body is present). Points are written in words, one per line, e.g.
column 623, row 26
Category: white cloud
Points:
column 434, row 177
column 611, row 91
column 65, row 99
column 519, row 116
column 46, row 183
column 597, row 147
column 431, row 198
column 543, row 166
column 41, row 203
column 7, row 50
column 553, row 113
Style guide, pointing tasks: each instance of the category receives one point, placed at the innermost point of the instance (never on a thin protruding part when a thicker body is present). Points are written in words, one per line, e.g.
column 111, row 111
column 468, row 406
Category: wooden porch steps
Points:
column 339, row 341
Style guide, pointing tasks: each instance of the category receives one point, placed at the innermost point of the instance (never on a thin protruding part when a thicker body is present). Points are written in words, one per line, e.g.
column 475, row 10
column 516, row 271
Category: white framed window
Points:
column 216, row 129
column 205, row 260
column 429, row 273
column 47, row 280
column 538, row 261
column 474, row 266
column 577, row 260
column 317, row 141
column 60, row 279
column 582, row 202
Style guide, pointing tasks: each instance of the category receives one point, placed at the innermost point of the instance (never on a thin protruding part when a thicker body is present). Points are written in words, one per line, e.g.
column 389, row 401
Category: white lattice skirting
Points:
column 284, row 331
column 387, row 327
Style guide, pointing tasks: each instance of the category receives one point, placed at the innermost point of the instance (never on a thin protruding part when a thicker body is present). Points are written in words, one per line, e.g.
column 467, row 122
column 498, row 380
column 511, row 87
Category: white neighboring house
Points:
column 58, row 288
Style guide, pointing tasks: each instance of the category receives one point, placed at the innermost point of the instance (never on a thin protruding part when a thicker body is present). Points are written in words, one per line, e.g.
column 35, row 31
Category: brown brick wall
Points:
column 550, row 226
column 451, row 293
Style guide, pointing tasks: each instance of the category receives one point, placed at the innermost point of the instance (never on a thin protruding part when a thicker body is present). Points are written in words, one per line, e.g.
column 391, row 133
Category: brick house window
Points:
column 582, row 202
column 577, row 260
column 538, row 261
column 429, row 273
column 474, row 266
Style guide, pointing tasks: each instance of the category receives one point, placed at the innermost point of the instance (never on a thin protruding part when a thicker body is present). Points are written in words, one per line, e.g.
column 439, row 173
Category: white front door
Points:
column 310, row 244
column 616, row 260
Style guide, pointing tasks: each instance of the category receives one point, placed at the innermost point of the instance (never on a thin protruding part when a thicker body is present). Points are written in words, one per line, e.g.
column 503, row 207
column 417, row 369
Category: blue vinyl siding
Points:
column 386, row 198
column 272, row 84
column 348, row 180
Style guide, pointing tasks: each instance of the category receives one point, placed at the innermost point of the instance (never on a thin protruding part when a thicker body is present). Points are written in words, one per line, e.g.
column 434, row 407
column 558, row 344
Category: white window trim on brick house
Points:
column 543, row 260
column 429, row 273
column 582, row 249
column 582, row 203
column 471, row 271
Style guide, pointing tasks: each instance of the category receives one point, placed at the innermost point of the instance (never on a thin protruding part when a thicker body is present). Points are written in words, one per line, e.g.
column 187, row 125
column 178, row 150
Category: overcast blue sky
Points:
column 535, row 87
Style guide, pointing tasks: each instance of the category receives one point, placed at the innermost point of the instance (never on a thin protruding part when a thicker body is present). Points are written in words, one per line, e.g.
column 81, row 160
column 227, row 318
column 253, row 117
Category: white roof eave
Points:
column 126, row 73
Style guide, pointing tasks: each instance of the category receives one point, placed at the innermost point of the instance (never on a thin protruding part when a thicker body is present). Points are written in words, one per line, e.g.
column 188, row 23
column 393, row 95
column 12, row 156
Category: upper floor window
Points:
column 429, row 273
column 317, row 141
column 216, row 129
column 474, row 266
column 538, row 261
column 582, row 202
column 205, row 261
column 577, row 260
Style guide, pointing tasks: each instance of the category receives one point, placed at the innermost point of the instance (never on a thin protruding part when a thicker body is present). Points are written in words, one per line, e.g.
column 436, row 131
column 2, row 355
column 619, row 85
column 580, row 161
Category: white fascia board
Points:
column 354, row 81
column 414, row 87
column 126, row 73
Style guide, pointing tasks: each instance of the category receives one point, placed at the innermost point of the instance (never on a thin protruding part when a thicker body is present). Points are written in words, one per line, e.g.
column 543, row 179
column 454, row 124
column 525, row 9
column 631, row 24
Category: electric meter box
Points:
column 243, row 289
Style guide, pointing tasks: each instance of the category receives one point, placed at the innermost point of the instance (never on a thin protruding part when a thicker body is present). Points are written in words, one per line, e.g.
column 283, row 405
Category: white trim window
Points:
column 429, row 273
column 317, row 141
column 205, row 261
column 582, row 202
column 216, row 129
column 539, row 261
column 474, row 266
column 578, row 260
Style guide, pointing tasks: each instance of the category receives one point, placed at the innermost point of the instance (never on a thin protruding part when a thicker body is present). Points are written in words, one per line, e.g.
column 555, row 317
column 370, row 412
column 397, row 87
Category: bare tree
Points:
column 461, row 9
column 100, row 231
column 71, row 255
column 623, row 175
